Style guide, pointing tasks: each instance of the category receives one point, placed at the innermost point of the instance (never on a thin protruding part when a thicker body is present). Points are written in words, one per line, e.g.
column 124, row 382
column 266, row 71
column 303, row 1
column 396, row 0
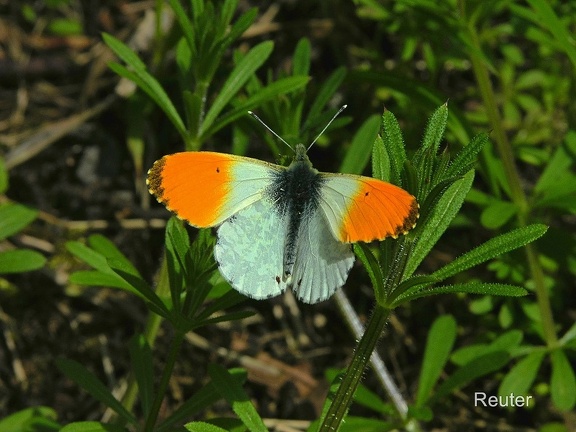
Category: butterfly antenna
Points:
column 326, row 127
column 269, row 129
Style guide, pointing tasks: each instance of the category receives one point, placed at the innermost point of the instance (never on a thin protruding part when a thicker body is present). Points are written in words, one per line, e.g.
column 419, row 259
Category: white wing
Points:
column 250, row 250
column 322, row 262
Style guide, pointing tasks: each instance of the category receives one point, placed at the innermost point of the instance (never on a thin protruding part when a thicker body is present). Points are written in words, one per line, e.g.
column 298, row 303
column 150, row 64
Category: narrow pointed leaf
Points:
column 203, row 427
column 272, row 91
column 370, row 262
column 440, row 342
column 327, row 90
column 108, row 249
column 435, row 129
column 140, row 285
column 481, row 288
column 141, row 361
column 201, row 400
column 92, row 426
column 491, row 249
column 143, row 79
column 466, row 158
column 438, row 221
column 20, row 261
column 563, row 382
column 394, row 144
column 14, row 218
column 521, row 377
column 358, row 155
column 241, row 73
column 476, row 368
column 236, row 397
column 85, row 379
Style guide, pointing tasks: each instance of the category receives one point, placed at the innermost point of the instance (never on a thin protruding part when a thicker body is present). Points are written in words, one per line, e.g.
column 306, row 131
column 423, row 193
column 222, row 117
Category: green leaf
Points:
column 363, row 424
column 203, row 427
column 140, row 285
column 440, row 342
column 466, row 158
column 370, row 262
column 432, row 228
column 143, row 79
column 497, row 214
column 421, row 95
column 228, row 300
column 325, row 93
column 177, row 244
column 97, row 278
column 380, row 160
column 556, row 187
column 232, row 316
column 236, row 397
column 238, row 77
column 563, row 382
column 412, row 284
column 20, row 261
column 141, row 361
column 394, row 145
column 89, row 256
column 358, row 155
column 31, row 419
column 185, row 23
column 270, row 92
column 240, row 26
column 201, row 400
column 301, row 58
column 85, row 379
column 104, row 275
column 491, row 249
column 109, row 250
column 92, row 426
column 435, row 129
column 3, row 176
column 569, row 335
column 65, row 27
column 508, row 342
column 476, row 368
column 521, row 377
column 548, row 19
column 493, row 289
column 14, row 218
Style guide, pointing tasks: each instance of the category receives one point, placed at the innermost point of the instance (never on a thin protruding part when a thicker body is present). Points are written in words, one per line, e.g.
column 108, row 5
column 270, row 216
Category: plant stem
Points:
column 150, row 332
column 345, row 393
column 165, row 379
column 513, row 177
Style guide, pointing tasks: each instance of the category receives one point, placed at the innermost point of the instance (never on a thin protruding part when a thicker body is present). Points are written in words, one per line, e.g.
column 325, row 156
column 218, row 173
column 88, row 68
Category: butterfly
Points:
column 280, row 227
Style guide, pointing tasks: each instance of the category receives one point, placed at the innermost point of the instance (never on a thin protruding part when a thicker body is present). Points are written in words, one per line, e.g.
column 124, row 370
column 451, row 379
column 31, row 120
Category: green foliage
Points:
column 14, row 218
column 34, row 418
column 206, row 37
column 520, row 92
column 442, row 188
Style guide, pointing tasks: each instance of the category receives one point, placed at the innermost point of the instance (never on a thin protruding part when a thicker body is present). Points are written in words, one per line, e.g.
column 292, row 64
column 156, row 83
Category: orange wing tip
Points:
column 154, row 179
column 410, row 220
column 154, row 183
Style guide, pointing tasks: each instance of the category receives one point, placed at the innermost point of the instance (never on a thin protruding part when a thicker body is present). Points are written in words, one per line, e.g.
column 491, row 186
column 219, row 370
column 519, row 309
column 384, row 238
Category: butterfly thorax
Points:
column 295, row 193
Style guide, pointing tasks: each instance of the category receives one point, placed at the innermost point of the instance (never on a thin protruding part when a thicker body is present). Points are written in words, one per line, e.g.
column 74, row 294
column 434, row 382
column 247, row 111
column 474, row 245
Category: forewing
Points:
column 206, row 188
column 364, row 209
